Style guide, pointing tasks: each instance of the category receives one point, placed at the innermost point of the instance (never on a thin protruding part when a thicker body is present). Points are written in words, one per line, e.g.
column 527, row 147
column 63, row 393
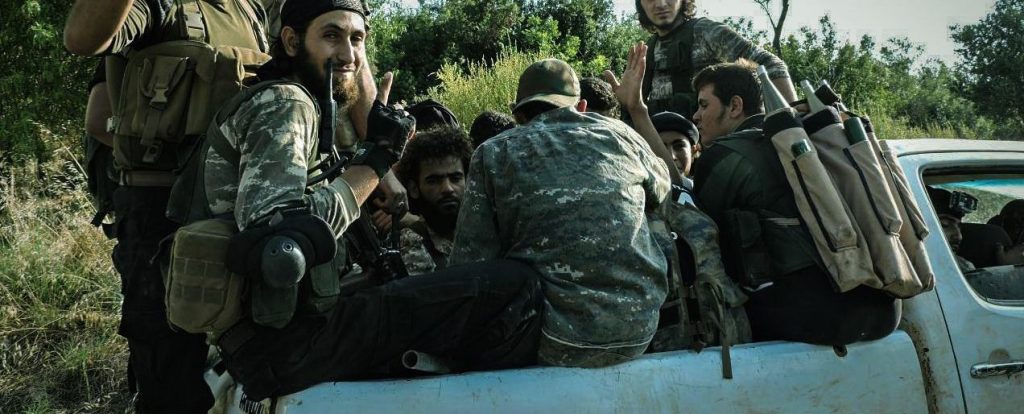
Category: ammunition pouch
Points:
column 168, row 96
column 202, row 295
column 276, row 257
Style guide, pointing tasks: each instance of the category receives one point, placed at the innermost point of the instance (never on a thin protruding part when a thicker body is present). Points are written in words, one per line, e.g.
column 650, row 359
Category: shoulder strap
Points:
column 193, row 27
column 649, row 71
column 685, row 41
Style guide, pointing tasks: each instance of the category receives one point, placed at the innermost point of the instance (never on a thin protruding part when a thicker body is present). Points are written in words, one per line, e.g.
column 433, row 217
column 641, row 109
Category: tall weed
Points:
column 59, row 298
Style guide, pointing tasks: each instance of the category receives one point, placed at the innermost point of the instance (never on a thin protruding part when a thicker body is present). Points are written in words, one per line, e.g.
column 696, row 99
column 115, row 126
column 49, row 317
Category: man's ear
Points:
column 581, row 106
column 290, row 40
column 736, row 107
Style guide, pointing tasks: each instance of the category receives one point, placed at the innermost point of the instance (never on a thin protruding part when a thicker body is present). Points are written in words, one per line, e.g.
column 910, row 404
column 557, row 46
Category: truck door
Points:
column 984, row 307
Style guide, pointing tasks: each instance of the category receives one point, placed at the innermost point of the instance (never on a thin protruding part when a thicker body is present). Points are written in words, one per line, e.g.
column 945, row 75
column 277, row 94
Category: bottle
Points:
column 773, row 100
column 812, row 99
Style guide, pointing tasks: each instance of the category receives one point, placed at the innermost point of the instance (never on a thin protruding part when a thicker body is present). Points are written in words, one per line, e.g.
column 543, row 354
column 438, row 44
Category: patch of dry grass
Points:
column 59, row 298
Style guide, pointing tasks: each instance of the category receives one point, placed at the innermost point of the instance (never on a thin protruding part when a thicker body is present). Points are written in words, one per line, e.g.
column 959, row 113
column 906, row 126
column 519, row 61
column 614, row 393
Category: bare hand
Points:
column 394, row 199
column 629, row 91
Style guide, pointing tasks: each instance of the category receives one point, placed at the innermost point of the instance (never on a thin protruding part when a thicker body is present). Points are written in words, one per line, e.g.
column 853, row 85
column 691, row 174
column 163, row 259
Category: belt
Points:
column 147, row 178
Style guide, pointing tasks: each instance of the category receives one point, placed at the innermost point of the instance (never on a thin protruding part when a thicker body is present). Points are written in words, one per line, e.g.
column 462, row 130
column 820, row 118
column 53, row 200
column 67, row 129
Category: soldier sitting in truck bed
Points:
column 739, row 182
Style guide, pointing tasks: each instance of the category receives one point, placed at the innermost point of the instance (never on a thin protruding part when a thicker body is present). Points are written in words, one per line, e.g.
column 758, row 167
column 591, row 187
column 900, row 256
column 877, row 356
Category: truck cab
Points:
column 959, row 348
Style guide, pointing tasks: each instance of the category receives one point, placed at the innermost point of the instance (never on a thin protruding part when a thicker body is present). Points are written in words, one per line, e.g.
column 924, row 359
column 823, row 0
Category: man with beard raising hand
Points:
column 433, row 169
column 482, row 315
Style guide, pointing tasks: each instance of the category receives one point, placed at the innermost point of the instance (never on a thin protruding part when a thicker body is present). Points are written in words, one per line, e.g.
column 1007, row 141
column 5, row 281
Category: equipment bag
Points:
column 857, row 174
column 202, row 294
column 913, row 231
column 829, row 220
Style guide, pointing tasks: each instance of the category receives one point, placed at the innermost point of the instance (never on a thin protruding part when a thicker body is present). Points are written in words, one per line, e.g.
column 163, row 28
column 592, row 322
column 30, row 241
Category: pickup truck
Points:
column 959, row 348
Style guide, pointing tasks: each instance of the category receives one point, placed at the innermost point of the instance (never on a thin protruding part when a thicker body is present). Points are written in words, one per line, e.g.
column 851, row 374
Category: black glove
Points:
column 388, row 130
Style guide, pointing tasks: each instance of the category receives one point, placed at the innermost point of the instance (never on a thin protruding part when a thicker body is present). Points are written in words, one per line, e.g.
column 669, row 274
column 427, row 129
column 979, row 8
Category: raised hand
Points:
column 629, row 91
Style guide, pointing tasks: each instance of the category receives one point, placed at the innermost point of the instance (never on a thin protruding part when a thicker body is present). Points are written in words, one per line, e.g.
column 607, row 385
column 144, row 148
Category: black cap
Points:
column 671, row 121
column 431, row 113
column 298, row 13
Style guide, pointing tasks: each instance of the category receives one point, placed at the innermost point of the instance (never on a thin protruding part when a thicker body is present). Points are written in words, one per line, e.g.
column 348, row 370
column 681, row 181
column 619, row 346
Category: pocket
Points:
column 202, row 295
column 826, row 208
column 904, row 198
column 862, row 156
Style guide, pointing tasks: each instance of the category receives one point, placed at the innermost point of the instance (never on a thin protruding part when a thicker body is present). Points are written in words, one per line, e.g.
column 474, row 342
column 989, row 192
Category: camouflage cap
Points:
column 550, row 80
column 298, row 13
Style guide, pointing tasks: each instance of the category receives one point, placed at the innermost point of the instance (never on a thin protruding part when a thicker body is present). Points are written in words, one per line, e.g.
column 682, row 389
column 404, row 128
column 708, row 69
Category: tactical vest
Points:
column 189, row 288
column 678, row 48
column 167, row 92
column 769, row 239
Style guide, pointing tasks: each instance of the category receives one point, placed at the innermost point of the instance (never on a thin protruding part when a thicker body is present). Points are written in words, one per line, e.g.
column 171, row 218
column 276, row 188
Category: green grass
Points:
column 59, row 300
column 484, row 86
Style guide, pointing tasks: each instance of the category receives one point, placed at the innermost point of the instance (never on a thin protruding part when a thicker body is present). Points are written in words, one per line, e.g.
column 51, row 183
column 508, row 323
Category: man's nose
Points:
column 346, row 53
column 447, row 187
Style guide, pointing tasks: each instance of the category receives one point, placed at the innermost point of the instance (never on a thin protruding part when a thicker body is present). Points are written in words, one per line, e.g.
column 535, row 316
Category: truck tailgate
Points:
column 879, row 376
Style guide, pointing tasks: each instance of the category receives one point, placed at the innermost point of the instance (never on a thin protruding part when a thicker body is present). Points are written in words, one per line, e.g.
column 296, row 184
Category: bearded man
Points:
column 480, row 316
column 433, row 169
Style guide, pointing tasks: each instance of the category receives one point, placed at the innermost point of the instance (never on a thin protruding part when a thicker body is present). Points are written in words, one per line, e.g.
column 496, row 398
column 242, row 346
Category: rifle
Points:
column 333, row 164
column 381, row 262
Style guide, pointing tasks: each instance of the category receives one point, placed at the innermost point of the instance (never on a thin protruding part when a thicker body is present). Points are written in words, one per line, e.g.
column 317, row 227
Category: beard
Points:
column 441, row 219
column 313, row 76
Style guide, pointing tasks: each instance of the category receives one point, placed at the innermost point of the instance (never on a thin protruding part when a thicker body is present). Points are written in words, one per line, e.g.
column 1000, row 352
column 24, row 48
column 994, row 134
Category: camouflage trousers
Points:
column 165, row 366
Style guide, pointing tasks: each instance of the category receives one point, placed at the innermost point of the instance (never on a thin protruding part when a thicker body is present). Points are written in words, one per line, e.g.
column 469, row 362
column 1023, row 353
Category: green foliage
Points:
column 59, row 349
column 416, row 42
column 42, row 85
column 483, row 86
column 992, row 55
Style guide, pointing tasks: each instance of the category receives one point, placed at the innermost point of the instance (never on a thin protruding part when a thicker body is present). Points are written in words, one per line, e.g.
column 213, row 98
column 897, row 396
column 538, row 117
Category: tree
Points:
column 776, row 22
column 43, row 86
column 992, row 58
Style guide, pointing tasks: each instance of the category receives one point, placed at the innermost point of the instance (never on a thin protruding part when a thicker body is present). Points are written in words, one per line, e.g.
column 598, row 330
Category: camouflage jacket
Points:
column 275, row 133
column 713, row 43
column 569, row 194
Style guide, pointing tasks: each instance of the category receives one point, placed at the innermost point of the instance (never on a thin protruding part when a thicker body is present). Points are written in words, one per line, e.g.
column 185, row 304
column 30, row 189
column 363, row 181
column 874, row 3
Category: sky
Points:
column 922, row 21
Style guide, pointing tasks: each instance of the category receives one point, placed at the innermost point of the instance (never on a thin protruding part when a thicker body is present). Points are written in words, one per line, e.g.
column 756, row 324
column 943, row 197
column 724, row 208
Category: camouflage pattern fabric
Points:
column 714, row 42
column 276, row 134
column 720, row 298
column 414, row 253
column 568, row 194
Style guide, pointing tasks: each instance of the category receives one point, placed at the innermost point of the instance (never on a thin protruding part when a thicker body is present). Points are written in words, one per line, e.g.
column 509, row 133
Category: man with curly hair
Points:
column 433, row 169
column 600, row 97
column 683, row 44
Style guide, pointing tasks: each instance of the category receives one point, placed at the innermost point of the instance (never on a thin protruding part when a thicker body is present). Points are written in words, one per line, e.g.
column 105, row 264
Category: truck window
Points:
column 982, row 219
